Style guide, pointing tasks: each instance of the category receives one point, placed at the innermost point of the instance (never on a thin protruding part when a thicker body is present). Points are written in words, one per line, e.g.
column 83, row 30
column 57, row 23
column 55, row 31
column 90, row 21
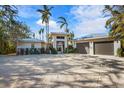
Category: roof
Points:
column 30, row 40
column 95, row 35
column 59, row 33
column 105, row 38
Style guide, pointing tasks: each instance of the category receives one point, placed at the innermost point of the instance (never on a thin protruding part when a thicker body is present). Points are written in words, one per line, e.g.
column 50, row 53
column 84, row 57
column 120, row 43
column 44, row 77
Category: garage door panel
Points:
column 104, row 48
column 83, row 48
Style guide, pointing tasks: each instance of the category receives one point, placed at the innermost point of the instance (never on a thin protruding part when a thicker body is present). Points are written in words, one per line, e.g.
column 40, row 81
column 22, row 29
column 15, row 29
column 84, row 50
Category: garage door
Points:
column 83, row 48
column 104, row 48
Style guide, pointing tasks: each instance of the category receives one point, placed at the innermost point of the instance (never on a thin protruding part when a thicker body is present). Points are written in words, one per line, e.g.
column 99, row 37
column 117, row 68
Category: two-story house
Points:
column 59, row 40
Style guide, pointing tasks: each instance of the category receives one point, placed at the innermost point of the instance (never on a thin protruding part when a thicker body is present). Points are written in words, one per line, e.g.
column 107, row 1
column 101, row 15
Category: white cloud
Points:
column 53, row 26
column 89, row 20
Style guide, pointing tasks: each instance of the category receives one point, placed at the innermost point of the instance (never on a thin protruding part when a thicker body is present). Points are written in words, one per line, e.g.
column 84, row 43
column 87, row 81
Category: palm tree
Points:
column 63, row 23
column 115, row 23
column 41, row 31
column 45, row 18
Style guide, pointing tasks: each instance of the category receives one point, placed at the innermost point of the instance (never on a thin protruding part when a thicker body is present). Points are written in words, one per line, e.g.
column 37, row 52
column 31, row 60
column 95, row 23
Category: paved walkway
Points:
column 69, row 70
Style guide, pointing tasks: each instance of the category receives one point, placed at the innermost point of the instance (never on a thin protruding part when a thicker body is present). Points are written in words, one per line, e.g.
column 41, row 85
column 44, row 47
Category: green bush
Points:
column 32, row 50
column 53, row 50
column 42, row 50
column 120, row 52
column 70, row 49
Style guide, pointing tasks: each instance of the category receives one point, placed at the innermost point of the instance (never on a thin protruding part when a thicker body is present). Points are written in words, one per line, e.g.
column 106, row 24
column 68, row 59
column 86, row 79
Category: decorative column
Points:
column 117, row 44
column 54, row 42
column 65, row 42
column 91, row 48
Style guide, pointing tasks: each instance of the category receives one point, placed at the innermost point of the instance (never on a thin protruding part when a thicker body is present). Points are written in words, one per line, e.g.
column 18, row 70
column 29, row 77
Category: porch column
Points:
column 117, row 44
column 91, row 50
column 54, row 42
column 65, row 42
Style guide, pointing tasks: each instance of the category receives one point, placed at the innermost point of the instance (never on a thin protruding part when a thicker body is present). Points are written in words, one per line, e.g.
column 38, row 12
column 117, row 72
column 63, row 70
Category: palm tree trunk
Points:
column 48, row 31
column 42, row 37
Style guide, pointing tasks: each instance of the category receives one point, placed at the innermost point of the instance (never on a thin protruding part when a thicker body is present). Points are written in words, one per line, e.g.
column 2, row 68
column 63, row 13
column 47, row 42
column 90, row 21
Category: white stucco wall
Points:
column 28, row 45
column 91, row 48
column 117, row 44
column 23, row 45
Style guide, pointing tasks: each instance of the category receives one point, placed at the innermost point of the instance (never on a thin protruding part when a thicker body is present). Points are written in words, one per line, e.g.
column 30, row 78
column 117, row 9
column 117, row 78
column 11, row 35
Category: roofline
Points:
column 95, row 39
column 21, row 40
column 59, row 33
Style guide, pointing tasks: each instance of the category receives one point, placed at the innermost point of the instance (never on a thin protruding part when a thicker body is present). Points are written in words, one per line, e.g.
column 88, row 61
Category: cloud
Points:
column 53, row 26
column 89, row 20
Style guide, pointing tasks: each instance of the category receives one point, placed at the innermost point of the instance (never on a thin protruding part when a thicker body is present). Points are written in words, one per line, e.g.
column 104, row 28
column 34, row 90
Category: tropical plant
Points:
column 115, row 23
column 53, row 50
column 10, row 29
column 63, row 23
column 70, row 49
column 45, row 18
column 120, row 52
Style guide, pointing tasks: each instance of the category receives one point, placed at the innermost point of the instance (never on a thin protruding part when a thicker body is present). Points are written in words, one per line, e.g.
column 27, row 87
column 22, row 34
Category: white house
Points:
column 60, row 40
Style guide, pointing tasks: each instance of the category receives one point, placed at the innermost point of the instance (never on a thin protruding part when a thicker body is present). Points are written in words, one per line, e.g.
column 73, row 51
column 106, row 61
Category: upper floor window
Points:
column 60, row 37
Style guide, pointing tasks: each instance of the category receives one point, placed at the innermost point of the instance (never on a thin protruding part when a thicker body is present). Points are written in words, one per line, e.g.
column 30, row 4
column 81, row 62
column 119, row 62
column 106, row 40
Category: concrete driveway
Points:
column 67, row 70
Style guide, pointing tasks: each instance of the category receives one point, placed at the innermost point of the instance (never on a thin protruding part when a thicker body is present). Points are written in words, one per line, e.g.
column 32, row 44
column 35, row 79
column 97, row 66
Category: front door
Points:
column 60, row 49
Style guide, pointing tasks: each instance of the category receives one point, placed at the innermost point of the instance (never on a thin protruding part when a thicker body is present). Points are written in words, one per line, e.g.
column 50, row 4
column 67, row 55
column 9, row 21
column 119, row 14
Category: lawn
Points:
column 63, row 70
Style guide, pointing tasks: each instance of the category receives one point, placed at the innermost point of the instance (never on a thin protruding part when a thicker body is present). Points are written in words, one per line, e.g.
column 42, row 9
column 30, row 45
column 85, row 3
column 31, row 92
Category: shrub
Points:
column 53, row 50
column 42, row 50
column 120, row 52
column 31, row 50
column 70, row 49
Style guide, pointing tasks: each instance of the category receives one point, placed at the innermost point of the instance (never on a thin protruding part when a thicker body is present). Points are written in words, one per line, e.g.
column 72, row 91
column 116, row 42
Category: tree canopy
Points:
column 11, row 29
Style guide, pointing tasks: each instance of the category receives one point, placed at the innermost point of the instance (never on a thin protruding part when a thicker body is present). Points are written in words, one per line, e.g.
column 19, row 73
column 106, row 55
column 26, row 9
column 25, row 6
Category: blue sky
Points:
column 83, row 20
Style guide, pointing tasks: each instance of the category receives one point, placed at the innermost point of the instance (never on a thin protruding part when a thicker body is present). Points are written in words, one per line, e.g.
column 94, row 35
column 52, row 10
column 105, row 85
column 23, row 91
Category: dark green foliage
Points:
column 70, row 49
column 53, row 50
column 42, row 50
column 10, row 29
column 115, row 23
column 32, row 50
column 120, row 52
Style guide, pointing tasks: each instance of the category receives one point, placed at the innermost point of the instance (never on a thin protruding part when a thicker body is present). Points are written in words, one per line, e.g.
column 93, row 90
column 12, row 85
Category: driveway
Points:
column 66, row 70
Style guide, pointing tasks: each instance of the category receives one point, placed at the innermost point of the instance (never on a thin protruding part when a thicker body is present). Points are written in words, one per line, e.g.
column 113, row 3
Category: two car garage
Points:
column 99, row 47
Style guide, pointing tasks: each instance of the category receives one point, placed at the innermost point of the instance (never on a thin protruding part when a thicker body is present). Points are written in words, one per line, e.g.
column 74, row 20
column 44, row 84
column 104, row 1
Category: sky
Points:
column 83, row 20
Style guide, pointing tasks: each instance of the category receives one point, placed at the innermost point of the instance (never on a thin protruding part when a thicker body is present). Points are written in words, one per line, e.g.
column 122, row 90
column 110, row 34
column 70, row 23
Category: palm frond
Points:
column 62, row 18
column 61, row 26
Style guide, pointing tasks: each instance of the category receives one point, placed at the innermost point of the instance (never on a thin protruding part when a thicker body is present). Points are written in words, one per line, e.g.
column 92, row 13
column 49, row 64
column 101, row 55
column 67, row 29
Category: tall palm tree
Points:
column 63, row 23
column 41, row 31
column 115, row 23
column 45, row 18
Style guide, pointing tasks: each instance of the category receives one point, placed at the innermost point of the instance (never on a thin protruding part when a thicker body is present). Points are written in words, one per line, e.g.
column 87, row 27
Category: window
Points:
column 60, row 37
